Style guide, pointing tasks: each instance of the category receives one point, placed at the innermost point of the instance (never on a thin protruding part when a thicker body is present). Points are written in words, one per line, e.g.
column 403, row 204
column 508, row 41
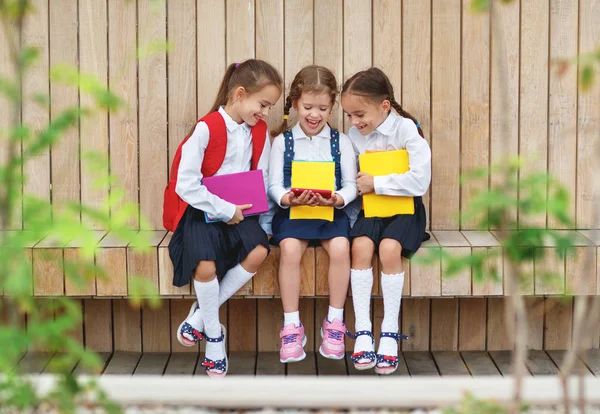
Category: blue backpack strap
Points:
column 336, row 154
column 288, row 157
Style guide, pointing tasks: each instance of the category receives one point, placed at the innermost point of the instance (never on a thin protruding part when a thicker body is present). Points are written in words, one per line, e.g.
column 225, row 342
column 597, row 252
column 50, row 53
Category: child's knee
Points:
column 290, row 250
column 256, row 257
column 390, row 252
column 339, row 249
column 362, row 252
column 205, row 271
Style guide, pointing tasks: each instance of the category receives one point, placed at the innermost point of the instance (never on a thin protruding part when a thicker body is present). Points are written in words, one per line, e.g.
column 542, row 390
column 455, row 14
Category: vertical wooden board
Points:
column 321, row 272
column 36, row 170
column 181, row 71
column 165, row 271
column 122, row 78
column 504, row 86
column 240, row 30
column 444, row 324
column 426, row 279
column 562, row 106
column 358, row 42
column 594, row 336
column 266, row 281
column 298, row 36
column 111, row 258
column 526, row 284
column 242, row 322
column 415, row 323
column 77, row 331
column 308, row 273
column 311, row 327
column 549, row 273
column 152, row 113
column 535, row 322
column 349, row 319
column 269, row 45
column 445, row 114
column 180, row 309
column 329, row 43
column 270, row 321
column 588, row 122
column 558, row 323
column 48, row 275
column 84, row 269
column 494, row 262
column 156, row 327
column 472, row 324
column 475, row 103
column 321, row 310
column 407, row 278
column 210, row 54
column 127, row 326
column 145, row 265
column 98, row 334
column 498, row 337
column 65, row 153
column 533, row 109
column 93, row 60
column 457, row 284
column 581, row 271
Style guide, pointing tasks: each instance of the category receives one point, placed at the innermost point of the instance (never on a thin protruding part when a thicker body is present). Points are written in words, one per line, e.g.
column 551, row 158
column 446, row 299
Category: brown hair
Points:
column 374, row 84
column 252, row 74
column 311, row 78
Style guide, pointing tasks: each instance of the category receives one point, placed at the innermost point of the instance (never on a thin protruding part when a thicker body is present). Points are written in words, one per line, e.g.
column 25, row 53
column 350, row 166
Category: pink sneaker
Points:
column 292, row 343
column 333, row 333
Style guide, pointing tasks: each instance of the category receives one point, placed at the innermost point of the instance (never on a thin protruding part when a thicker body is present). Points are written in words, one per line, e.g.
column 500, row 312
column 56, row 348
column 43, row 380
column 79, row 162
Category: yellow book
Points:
column 317, row 175
column 385, row 163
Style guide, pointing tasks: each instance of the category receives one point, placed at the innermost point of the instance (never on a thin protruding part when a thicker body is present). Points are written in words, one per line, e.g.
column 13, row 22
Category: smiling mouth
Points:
column 312, row 124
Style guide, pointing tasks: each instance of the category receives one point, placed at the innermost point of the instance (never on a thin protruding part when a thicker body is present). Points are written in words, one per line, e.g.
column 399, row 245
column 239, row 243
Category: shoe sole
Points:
column 326, row 355
column 178, row 334
column 386, row 370
column 222, row 374
column 363, row 366
column 297, row 359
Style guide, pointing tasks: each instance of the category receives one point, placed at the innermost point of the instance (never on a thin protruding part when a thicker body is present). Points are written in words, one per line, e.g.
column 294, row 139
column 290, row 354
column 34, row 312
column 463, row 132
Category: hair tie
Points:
column 418, row 125
column 236, row 65
column 286, row 117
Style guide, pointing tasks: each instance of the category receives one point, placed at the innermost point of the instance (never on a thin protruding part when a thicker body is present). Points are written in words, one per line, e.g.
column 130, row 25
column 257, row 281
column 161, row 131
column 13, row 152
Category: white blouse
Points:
column 395, row 133
column 238, row 156
column 316, row 149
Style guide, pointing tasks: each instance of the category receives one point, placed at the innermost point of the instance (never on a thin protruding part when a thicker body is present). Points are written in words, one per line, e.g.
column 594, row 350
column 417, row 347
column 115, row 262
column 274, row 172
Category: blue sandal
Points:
column 392, row 360
column 219, row 365
column 356, row 356
column 186, row 328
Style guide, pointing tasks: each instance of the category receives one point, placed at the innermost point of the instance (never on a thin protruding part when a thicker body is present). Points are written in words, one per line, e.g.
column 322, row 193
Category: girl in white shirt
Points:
column 368, row 100
column 312, row 95
column 230, row 139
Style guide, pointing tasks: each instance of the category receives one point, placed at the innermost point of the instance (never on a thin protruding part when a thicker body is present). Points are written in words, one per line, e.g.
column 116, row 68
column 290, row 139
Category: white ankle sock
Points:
column 291, row 317
column 335, row 313
column 362, row 283
column 234, row 279
column 391, row 287
column 208, row 297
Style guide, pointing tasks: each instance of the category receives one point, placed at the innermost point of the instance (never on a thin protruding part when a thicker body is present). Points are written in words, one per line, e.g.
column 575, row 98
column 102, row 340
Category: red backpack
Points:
column 173, row 205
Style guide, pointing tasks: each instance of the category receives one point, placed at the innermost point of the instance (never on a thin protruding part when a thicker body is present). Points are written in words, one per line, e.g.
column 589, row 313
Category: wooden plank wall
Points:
column 438, row 55
column 443, row 324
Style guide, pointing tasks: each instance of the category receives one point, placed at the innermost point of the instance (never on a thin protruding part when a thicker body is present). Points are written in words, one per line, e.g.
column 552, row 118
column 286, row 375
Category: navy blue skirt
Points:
column 407, row 229
column 312, row 230
column 227, row 245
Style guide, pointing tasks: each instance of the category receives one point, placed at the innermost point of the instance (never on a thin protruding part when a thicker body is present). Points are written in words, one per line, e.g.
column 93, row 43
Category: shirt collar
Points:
column 230, row 123
column 297, row 132
column 386, row 126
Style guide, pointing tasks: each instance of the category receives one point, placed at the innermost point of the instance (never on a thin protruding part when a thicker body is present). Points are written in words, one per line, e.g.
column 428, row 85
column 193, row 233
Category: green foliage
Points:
column 472, row 405
column 27, row 323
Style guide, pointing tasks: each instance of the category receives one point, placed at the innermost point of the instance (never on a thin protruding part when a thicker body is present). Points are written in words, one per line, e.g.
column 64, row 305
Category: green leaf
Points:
column 478, row 6
column 586, row 77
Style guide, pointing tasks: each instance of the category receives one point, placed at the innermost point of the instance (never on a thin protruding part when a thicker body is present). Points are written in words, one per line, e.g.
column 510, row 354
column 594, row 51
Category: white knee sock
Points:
column 234, row 279
column 391, row 287
column 362, row 283
column 208, row 297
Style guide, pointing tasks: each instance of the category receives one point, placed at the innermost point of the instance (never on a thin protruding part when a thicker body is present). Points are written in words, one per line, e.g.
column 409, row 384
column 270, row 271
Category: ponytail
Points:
column 405, row 114
column 286, row 113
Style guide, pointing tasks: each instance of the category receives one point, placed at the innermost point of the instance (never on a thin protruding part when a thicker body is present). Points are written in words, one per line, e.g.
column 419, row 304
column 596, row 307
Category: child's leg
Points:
column 338, row 250
column 392, row 282
column 240, row 274
column 361, row 279
column 289, row 272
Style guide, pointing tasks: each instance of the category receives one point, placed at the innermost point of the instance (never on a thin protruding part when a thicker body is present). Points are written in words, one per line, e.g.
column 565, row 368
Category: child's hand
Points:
column 334, row 200
column 239, row 214
column 365, row 183
column 307, row 198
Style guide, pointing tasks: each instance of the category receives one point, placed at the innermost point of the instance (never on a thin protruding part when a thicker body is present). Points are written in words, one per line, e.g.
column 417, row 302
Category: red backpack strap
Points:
column 259, row 135
column 217, row 144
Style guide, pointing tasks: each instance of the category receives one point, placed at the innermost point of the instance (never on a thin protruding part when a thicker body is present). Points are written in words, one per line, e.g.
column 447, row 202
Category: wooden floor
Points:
column 267, row 363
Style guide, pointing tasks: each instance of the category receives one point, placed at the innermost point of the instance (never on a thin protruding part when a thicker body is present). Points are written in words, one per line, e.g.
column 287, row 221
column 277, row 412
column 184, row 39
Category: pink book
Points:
column 239, row 188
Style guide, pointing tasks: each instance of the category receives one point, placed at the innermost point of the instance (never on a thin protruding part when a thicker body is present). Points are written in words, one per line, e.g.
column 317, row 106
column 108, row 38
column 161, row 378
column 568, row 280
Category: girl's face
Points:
column 313, row 110
column 252, row 107
column 363, row 113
